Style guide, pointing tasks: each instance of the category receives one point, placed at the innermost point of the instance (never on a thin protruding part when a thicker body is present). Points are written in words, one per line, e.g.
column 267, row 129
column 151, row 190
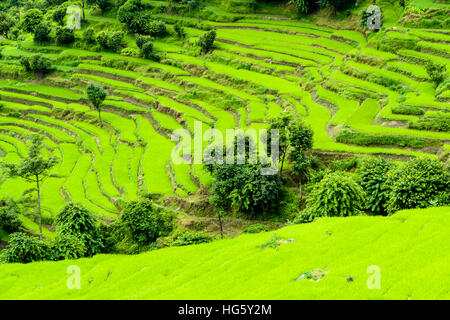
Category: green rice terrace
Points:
column 364, row 95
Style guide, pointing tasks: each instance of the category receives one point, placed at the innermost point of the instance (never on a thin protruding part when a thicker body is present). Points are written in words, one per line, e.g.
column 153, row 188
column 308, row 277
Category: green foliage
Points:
column 7, row 22
column 417, row 184
column 436, row 72
column 141, row 23
column 405, row 109
column 42, row 33
column 89, row 36
column 96, row 95
column 372, row 176
column 141, row 40
column 9, row 217
column 189, row 237
column 31, row 19
column 365, row 139
column 206, row 41
column 272, row 243
column 147, row 50
column 128, row 10
column 336, row 195
column 25, row 249
column 256, row 228
column 67, row 247
column 76, row 221
column 59, row 14
column 157, row 29
column 36, row 63
column 179, row 30
column 64, row 36
column 112, row 41
column 145, row 221
column 431, row 123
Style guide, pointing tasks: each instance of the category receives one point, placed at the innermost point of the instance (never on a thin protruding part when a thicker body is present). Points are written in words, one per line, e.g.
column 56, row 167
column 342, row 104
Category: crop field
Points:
column 259, row 69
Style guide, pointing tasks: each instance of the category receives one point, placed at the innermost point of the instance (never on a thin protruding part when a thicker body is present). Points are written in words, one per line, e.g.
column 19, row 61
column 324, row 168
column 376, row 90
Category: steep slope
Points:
column 411, row 248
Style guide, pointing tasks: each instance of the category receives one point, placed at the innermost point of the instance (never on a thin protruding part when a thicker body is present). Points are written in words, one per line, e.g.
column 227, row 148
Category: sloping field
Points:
column 411, row 249
column 335, row 79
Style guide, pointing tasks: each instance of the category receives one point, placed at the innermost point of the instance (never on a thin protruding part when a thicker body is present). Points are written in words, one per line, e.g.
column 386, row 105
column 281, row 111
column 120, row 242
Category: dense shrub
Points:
column 179, row 30
column 189, row 237
column 405, row 109
column 36, row 63
column 145, row 221
column 437, row 72
column 42, row 33
column 157, row 29
column 111, row 40
column 256, row 228
column 337, row 194
column 141, row 23
column 141, row 40
column 9, row 219
column 31, row 19
column 7, row 22
column 418, row 184
column 372, row 176
column 67, row 247
column 89, row 36
column 76, row 221
column 365, row 139
column 24, row 249
column 206, row 41
column 64, row 36
column 59, row 14
column 431, row 123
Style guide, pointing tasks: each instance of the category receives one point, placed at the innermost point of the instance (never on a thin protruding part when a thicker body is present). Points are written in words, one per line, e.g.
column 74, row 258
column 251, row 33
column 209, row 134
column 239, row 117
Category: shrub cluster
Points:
column 431, row 123
column 408, row 110
column 365, row 139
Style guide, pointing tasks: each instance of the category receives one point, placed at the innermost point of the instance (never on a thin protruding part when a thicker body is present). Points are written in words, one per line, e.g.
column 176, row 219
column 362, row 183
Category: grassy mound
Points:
column 411, row 248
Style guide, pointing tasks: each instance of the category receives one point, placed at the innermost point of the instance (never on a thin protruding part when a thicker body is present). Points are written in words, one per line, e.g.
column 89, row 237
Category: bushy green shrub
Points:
column 147, row 50
column 206, row 41
column 89, row 36
column 365, row 139
column 64, row 36
column 337, row 194
column 36, row 63
column 111, row 40
column 7, row 23
column 24, row 249
column 31, row 19
column 58, row 15
column 431, row 123
column 179, row 30
column 437, row 72
column 141, row 40
column 76, row 221
column 405, row 109
column 256, row 228
column 417, row 184
column 189, row 237
column 145, row 221
column 9, row 219
column 157, row 29
column 372, row 176
column 42, row 33
column 67, row 247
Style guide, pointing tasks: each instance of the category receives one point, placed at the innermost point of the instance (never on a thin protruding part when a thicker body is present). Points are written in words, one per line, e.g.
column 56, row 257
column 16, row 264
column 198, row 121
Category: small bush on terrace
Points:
column 412, row 110
column 419, row 183
column 437, row 72
column 256, row 228
column 206, row 41
column 189, row 237
column 42, row 33
column 64, row 36
column 76, row 221
column 36, row 63
column 25, row 249
column 67, row 247
column 431, row 123
column 337, row 194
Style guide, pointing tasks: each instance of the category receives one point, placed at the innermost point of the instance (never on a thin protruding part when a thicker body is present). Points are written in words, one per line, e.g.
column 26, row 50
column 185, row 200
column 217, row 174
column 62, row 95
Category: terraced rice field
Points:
column 259, row 69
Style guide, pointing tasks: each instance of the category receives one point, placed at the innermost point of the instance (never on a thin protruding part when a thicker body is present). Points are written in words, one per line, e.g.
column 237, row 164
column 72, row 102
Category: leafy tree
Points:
column 280, row 123
column 206, row 41
column 76, row 221
column 42, row 33
column 372, row 176
column 6, row 23
column 59, row 14
column 110, row 40
column 128, row 10
column 336, row 195
column 157, row 29
column 64, row 36
column 302, row 6
column 25, row 249
column 31, row 19
column 141, row 23
column 97, row 94
column 34, row 168
column 147, row 50
column 419, row 183
column 102, row 4
column 145, row 221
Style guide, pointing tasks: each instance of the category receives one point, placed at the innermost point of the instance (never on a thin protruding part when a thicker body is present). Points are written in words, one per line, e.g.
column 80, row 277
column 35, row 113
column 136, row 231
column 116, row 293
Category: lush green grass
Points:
column 403, row 246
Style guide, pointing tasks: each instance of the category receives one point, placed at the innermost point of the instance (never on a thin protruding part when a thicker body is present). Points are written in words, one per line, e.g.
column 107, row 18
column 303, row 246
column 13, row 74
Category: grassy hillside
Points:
column 412, row 249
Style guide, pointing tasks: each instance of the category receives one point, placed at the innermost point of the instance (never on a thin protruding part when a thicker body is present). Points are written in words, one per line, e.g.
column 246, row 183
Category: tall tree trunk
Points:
column 282, row 163
column 221, row 226
column 300, row 192
column 100, row 117
column 84, row 17
column 39, row 206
